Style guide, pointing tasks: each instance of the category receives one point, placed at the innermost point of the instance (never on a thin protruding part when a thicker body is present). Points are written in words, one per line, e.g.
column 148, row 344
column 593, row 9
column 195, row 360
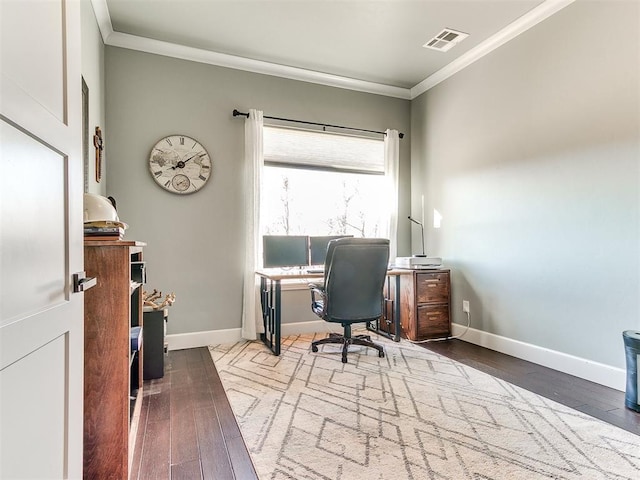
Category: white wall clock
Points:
column 180, row 164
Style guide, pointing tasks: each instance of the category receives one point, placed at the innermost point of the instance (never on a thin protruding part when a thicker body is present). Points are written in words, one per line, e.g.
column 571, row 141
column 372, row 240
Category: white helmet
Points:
column 100, row 210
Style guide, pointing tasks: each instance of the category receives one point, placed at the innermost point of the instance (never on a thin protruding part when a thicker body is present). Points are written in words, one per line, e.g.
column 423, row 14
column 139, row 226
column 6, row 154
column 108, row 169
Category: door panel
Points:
column 23, row 52
column 26, row 406
column 41, row 244
column 34, row 249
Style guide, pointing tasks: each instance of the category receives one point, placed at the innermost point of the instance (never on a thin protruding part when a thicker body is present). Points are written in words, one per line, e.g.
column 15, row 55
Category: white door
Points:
column 41, row 319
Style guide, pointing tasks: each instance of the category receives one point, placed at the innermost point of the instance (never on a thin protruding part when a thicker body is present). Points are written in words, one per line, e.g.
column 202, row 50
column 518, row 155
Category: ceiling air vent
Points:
column 445, row 40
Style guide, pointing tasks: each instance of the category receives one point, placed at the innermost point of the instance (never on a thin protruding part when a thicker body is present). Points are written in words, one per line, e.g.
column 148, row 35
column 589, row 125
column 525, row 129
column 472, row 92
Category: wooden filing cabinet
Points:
column 425, row 304
column 112, row 379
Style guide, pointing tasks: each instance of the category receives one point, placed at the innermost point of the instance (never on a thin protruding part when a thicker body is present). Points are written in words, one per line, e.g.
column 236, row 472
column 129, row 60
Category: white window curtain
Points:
column 253, row 164
column 391, row 169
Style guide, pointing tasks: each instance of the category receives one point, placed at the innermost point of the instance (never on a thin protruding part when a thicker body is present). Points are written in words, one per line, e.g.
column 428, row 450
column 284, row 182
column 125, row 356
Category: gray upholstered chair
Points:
column 354, row 276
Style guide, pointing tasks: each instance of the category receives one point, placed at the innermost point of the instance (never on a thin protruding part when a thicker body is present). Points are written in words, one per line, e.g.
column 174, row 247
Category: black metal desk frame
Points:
column 271, row 301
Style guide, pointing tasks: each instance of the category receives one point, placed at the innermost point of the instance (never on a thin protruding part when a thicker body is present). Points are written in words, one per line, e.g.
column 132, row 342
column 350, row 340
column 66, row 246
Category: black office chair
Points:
column 354, row 274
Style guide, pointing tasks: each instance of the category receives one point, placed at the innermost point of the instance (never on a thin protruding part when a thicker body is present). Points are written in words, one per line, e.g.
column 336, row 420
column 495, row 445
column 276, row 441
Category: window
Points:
column 317, row 183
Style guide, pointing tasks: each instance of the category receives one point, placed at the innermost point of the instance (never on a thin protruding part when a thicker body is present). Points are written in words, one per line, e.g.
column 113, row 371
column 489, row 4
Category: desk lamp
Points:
column 422, row 231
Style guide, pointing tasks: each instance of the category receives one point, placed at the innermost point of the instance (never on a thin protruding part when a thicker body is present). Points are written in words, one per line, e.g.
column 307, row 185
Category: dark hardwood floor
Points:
column 187, row 429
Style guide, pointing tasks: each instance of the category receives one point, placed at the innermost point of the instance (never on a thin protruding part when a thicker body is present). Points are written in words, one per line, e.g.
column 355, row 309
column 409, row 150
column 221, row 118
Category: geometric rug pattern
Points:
column 411, row 415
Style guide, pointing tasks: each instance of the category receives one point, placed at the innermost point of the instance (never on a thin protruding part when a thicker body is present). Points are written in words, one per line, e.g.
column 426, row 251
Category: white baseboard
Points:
column 600, row 373
column 307, row 327
column 181, row 341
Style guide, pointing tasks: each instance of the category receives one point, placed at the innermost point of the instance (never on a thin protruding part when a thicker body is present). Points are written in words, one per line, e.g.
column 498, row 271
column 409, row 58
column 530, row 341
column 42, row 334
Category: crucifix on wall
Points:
column 99, row 144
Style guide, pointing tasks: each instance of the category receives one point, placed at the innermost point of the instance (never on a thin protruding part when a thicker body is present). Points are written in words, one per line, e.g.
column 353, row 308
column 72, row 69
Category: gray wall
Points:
column 532, row 157
column 195, row 242
column 93, row 74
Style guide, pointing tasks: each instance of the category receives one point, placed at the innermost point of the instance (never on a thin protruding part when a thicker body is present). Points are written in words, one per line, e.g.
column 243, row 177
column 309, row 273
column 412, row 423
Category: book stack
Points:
column 103, row 231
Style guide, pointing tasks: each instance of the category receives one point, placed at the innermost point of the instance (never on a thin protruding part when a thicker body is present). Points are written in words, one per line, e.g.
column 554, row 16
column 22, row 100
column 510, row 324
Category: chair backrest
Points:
column 355, row 271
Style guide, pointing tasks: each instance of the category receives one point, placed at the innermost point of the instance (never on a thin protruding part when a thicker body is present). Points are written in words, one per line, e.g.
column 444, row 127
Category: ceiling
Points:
column 367, row 42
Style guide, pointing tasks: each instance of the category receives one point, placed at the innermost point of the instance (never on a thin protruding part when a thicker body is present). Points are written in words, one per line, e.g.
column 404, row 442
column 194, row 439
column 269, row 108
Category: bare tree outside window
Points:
column 310, row 188
column 285, row 204
column 308, row 202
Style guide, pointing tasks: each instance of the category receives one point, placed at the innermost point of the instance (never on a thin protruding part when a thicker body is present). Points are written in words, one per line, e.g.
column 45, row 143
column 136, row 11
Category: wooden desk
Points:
column 271, row 301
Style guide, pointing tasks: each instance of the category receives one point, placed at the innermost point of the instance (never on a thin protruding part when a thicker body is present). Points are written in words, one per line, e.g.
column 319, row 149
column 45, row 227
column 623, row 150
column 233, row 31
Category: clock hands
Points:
column 182, row 163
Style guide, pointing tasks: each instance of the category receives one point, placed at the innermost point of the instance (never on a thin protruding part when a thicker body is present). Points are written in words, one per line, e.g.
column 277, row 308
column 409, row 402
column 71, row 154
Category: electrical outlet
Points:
column 465, row 306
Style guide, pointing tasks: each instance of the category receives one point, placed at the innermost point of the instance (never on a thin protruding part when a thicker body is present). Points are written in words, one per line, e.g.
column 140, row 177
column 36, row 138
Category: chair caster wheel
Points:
column 381, row 354
column 344, row 359
column 314, row 348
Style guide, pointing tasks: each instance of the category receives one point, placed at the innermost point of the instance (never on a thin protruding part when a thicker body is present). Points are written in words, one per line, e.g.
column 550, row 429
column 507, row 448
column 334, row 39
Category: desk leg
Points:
column 270, row 299
column 264, row 302
column 277, row 319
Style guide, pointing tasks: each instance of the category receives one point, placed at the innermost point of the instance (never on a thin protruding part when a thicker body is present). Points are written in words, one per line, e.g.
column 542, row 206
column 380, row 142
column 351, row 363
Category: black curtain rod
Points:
column 236, row 113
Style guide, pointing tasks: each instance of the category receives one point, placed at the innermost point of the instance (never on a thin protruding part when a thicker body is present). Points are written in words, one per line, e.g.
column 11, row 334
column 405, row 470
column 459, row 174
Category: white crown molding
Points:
column 158, row 47
column 101, row 11
column 521, row 25
column 133, row 42
column 148, row 45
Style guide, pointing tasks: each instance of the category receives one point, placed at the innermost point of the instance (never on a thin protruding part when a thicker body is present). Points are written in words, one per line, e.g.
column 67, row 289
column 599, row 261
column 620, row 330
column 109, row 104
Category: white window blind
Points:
column 325, row 151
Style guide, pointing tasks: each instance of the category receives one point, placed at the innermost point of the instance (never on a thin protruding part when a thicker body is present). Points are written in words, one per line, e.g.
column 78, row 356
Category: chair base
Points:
column 364, row 340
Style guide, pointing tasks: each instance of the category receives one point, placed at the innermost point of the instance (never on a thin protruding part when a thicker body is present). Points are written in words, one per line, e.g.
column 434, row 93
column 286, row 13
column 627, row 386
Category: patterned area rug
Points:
column 411, row 415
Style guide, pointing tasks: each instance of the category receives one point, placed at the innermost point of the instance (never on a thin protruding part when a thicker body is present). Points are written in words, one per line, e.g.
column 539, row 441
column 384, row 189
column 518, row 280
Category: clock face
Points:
column 180, row 164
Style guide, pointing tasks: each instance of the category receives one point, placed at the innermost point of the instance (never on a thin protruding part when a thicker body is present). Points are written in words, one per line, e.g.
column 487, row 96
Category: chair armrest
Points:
column 317, row 298
column 316, row 290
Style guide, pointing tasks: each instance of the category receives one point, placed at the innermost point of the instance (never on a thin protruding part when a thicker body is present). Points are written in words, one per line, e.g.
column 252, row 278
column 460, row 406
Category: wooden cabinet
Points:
column 425, row 299
column 109, row 416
